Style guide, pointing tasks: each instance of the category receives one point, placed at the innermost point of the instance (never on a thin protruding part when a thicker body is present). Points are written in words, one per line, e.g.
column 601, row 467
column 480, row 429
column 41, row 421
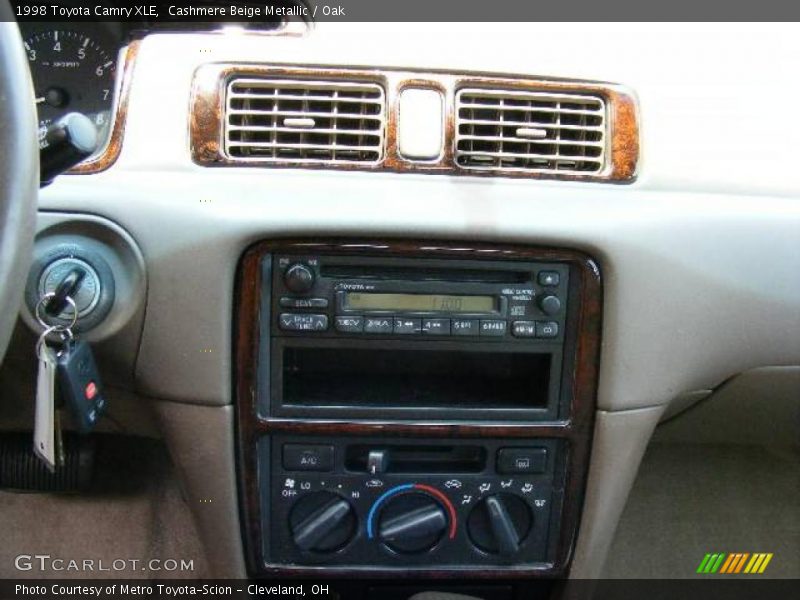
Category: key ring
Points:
column 66, row 334
column 57, row 327
column 43, row 339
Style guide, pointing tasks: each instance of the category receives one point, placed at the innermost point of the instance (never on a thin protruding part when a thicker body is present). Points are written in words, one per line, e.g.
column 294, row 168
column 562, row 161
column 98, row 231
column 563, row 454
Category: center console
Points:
column 414, row 406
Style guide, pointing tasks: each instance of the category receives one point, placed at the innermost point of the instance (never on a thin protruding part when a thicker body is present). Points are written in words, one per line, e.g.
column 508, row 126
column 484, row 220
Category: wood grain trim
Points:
column 577, row 430
column 206, row 116
column 110, row 153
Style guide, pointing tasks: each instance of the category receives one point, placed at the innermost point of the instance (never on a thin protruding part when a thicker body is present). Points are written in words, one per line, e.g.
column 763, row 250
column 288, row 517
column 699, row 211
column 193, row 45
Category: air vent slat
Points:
column 522, row 109
column 298, row 121
column 309, row 98
column 303, row 113
column 557, row 142
column 298, row 130
column 512, row 130
column 528, row 123
column 293, row 146
column 514, row 155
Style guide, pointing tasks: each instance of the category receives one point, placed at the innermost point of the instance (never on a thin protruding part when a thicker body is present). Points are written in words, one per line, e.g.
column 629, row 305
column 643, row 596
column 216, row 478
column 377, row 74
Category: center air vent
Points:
column 295, row 121
column 529, row 131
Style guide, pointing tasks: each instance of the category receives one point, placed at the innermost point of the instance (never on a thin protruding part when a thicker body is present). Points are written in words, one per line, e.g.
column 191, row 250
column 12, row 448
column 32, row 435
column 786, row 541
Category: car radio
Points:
column 360, row 336
column 340, row 296
column 411, row 406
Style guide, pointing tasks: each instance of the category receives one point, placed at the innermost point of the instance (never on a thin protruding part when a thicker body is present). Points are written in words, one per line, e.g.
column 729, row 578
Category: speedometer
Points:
column 71, row 73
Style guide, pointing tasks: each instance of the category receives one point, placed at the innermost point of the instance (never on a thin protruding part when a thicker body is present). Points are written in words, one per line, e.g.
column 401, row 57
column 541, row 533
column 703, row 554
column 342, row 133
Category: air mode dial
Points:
column 499, row 524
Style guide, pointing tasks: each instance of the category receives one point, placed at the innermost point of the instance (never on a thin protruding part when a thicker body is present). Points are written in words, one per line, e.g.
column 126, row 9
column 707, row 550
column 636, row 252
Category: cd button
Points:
column 464, row 327
column 524, row 328
column 349, row 324
column 406, row 326
column 378, row 324
column 436, row 326
column 490, row 327
column 546, row 329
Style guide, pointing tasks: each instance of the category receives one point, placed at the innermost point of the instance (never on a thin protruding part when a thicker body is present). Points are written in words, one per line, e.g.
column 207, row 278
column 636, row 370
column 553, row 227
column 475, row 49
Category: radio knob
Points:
column 499, row 524
column 298, row 278
column 322, row 522
column 412, row 523
column 550, row 305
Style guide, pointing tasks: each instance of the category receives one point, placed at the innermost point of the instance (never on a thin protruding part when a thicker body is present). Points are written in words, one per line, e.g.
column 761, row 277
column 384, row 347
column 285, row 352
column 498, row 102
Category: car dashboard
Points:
column 412, row 298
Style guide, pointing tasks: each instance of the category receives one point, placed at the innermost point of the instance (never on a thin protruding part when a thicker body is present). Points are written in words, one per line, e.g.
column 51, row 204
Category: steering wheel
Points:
column 19, row 171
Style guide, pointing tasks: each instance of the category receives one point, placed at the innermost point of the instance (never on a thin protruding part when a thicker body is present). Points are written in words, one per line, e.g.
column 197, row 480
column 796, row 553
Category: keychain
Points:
column 44, row 420
column 71, row 371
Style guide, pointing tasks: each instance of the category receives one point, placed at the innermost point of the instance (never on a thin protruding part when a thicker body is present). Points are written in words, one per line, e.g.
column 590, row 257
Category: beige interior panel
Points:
column 200, row 441
column 723, row 476
column 620, row 439
column 761, row 406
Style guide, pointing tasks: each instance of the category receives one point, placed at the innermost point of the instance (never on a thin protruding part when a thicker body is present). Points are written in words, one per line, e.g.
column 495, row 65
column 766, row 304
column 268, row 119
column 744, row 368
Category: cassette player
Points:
column 341, row 296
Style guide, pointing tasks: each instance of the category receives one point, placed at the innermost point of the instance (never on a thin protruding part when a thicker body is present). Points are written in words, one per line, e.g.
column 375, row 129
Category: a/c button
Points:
column 301, row 457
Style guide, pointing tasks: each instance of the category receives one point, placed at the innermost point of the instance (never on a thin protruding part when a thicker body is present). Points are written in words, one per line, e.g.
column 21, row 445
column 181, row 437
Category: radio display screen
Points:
column 420, row 302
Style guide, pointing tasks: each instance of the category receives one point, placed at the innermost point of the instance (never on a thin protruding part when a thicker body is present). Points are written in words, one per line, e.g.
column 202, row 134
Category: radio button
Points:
column 287, row 302
column 493, row 327
column 436, row 326
column 407, row 326
column 523, row 329
column 302, row 322
column 378, row 324
column 546, row 329
column 464, row 327
column 549, row 278
column 349, row 324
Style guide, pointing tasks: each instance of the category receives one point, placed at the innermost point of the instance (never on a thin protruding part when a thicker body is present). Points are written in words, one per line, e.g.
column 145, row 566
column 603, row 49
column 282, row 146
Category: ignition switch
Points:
column 78, row 271
column 75, row 278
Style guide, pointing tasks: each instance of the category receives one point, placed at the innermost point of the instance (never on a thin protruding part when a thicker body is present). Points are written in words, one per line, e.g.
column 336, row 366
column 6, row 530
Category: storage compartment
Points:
column 414, row 377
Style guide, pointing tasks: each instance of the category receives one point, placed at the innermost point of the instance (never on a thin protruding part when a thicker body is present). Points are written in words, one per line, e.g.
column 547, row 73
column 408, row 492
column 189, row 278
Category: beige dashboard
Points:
column 698, row 253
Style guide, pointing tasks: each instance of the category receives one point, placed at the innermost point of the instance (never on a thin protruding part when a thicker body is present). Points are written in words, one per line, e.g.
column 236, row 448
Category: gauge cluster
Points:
column 74, row 68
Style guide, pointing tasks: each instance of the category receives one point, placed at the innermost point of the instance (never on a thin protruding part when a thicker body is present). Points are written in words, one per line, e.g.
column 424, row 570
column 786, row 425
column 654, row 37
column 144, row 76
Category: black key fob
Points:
column 79, row 384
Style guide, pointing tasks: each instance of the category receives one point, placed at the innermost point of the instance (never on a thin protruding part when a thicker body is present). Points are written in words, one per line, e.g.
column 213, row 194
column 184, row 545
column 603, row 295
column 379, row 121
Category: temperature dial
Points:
column 499, row 524
column 322, row 522
column 412, row 523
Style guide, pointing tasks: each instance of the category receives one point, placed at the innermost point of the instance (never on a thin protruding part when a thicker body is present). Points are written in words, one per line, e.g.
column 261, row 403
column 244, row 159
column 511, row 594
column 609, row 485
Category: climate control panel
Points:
column 425, row 504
